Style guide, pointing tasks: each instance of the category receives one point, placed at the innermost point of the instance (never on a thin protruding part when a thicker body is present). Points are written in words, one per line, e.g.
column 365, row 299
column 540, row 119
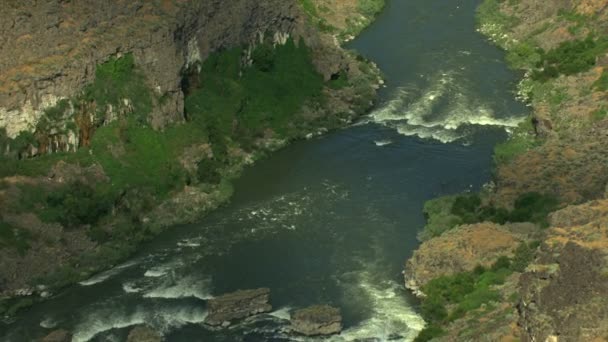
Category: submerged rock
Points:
column 317, row 320
column 142, row 333
column 58, row 336
column 237, row 305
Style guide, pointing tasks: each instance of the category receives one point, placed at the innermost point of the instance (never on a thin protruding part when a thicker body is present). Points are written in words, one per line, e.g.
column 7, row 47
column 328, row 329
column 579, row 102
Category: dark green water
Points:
column 325, row 221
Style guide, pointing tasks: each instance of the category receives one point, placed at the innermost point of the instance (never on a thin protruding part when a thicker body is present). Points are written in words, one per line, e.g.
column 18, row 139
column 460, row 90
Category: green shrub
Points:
column 502, row 262
column 208, row 171
column 466, row 207
column 533, row 207
column 439, row 218
column 523, row 256
column 524, row 55
column 570, row 57
column 79, row 204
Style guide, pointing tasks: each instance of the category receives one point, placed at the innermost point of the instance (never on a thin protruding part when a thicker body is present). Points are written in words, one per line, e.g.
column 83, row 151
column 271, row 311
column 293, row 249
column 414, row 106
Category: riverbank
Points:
column 66, row 216
column 490, row 263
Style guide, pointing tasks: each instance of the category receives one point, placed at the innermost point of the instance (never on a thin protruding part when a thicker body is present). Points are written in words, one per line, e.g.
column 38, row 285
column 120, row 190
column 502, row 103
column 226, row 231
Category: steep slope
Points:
column 548, row 284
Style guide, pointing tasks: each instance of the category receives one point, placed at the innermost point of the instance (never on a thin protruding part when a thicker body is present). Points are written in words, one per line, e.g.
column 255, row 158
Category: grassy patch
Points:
column 522, row 140
column 438, row 213
column 524, row 55
column 602, row 83
column 489, row 13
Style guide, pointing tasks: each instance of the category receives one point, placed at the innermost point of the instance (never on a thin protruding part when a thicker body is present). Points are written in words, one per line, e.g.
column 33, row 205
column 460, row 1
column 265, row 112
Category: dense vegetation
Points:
column 570, row 57
column 445, row 213
column 451, row 297
column 242, row 105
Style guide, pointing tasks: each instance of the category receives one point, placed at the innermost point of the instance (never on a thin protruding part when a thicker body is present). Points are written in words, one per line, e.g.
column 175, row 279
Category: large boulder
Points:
column 237, row 305
column 317, row 320
column 58, row 336
column 142, row 333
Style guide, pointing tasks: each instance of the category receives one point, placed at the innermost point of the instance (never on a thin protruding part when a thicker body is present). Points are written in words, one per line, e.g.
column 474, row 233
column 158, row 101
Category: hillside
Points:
column 525, row 259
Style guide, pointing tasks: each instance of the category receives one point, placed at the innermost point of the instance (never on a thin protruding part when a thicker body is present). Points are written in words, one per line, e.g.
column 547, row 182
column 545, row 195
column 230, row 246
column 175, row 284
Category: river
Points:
column 329, row 220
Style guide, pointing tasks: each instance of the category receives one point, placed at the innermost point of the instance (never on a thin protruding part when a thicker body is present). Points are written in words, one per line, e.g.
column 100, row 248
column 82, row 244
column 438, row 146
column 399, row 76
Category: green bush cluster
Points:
column 570, row 57
column 451, row 297
column 240, row 104
column 524, row 55
column 438, row 213
column 445, row 213
column 78, row 204
column 528, row 207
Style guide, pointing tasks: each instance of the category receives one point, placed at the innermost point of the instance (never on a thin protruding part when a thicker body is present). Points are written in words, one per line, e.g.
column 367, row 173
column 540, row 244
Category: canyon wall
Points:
column 49, row 50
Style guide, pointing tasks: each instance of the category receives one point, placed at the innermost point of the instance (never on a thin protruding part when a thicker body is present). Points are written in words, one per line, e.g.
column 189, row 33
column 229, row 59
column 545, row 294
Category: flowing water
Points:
column 325, row 221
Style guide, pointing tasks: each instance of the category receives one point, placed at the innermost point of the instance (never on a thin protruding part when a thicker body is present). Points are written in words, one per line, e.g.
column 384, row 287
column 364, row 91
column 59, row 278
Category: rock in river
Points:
column 58, row 336
column 142, row 333
column 237, row 305
column 317, row 320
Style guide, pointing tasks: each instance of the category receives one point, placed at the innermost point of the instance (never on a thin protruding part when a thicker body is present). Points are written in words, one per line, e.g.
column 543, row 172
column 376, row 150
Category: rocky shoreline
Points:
column 527, row 265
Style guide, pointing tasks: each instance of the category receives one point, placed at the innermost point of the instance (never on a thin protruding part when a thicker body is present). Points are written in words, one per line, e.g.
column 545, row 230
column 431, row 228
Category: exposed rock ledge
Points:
column 317, row 320
column 237, row 305
column 462, row 249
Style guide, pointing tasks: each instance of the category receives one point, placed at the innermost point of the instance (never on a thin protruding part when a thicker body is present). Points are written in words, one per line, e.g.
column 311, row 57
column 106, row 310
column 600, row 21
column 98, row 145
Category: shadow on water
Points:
column 329, row 220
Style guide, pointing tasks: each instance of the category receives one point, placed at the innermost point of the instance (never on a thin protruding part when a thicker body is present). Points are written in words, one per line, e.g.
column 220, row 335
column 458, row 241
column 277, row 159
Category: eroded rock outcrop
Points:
column 462, row 249
column 60, row 43
column 317, row 320
column 565, row 292
column 237, row 305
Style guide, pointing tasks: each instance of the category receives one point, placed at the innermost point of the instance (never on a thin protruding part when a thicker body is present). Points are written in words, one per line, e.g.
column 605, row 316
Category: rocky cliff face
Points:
column 49, row 49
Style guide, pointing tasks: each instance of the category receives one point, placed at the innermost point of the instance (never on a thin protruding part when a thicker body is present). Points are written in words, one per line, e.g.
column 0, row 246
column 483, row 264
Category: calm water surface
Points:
column 325, row 221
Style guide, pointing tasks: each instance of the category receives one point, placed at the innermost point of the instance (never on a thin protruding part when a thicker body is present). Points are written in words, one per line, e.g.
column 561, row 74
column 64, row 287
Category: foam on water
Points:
column 381, row 143
column 131, row 287
column 182, row 288
column 101, row 277
column 162, row 319
column 282, row 313
column 48, row 323
column 445, row 110
column 391, row 314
